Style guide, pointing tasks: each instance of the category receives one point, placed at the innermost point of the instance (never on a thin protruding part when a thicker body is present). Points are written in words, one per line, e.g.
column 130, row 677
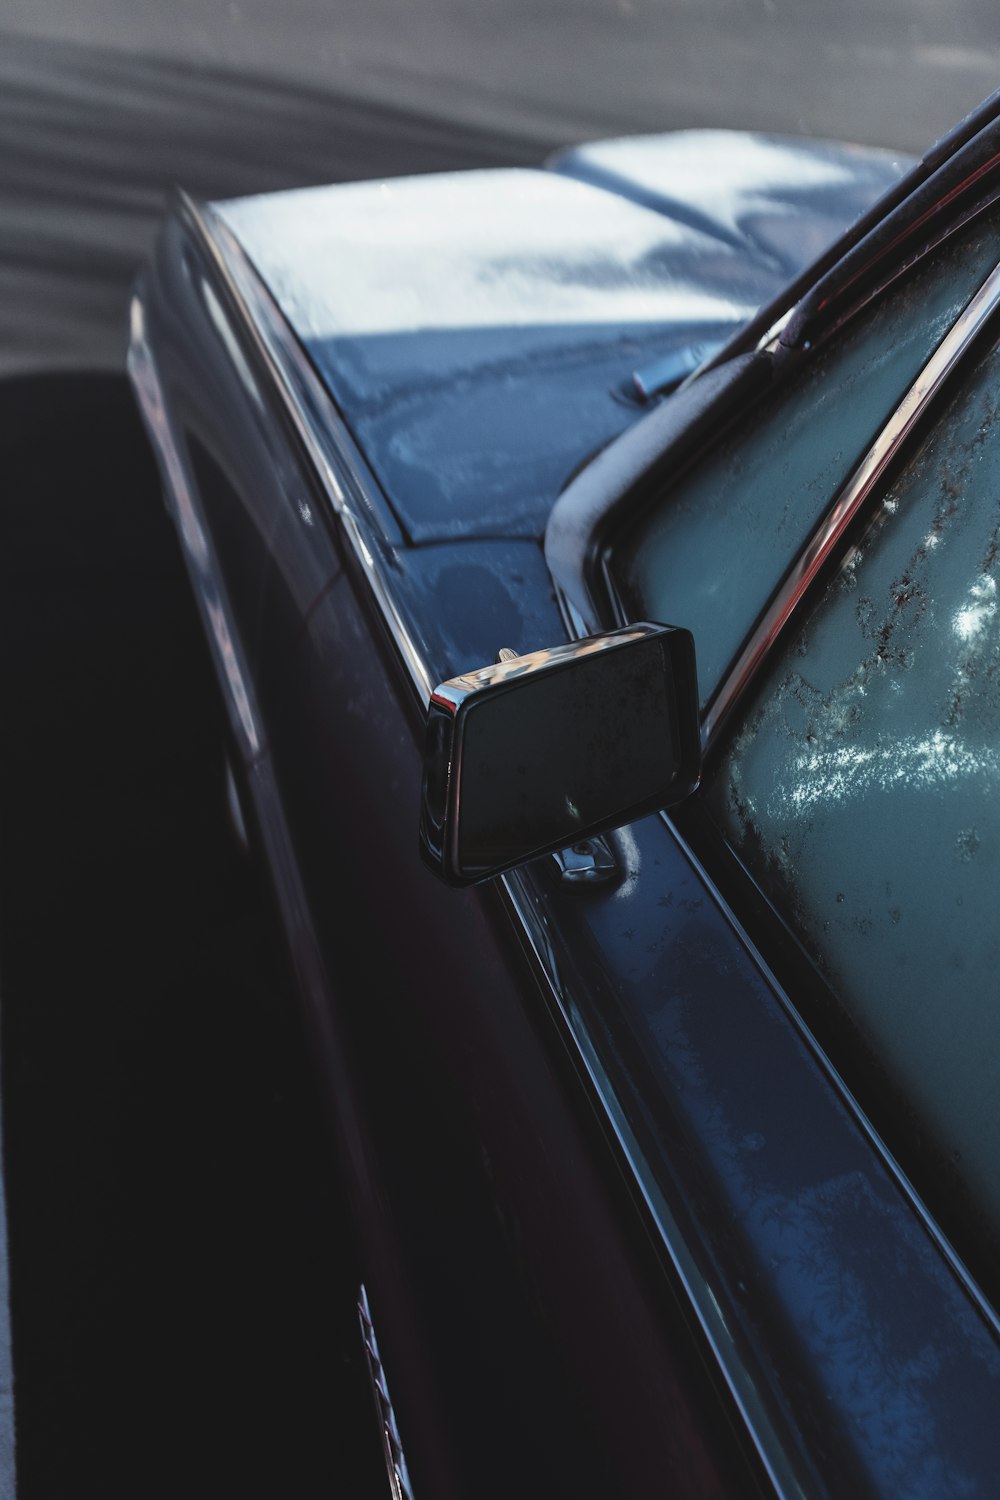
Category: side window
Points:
column 862, row 789
column 708, row 553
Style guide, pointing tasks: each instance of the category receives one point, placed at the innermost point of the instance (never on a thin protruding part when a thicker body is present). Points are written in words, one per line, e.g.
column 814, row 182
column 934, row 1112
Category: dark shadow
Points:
column 182, row 1281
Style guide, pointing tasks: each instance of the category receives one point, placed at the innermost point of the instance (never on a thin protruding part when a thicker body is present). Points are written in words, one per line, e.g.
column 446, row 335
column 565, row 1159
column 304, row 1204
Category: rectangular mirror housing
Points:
column 540, row 751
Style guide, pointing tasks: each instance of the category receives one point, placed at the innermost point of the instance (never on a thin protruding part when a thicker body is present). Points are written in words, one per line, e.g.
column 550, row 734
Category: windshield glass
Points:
column 863, row 788
column 711, row 550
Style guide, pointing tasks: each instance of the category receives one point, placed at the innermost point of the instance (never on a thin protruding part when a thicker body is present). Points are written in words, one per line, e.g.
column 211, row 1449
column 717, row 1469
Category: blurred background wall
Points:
column 104, row 103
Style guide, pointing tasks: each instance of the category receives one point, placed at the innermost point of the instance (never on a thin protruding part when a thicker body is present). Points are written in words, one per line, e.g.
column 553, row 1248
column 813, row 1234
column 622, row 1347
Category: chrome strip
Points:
column 308, row 406
column 453, row 693
column 304, row 398
column 749, row 1399
column 395, row 1459
column 848, row 503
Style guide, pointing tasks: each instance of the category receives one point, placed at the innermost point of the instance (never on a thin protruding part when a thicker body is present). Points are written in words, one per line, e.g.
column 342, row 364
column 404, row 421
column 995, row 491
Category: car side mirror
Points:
column 540, row 751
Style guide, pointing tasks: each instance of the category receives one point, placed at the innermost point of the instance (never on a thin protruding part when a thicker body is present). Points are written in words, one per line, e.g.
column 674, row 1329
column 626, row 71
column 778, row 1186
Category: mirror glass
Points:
column 552, row 750
column 542, row 751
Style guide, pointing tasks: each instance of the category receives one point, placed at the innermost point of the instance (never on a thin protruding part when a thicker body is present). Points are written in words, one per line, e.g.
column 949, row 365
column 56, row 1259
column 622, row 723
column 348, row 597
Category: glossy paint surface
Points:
column 529, row 1322
column 485, row 1222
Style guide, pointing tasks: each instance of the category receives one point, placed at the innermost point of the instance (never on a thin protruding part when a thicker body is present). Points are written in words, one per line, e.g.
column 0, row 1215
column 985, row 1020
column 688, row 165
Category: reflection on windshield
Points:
column 833, row 775
column 713, row 549
column 863, row 790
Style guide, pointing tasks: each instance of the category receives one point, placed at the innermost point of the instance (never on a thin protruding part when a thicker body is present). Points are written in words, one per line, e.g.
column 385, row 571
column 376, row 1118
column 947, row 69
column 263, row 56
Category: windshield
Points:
column 862, row 790
column 710, row 550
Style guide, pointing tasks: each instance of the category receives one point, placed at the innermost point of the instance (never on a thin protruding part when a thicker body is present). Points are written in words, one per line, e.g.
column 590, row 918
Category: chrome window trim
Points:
column 348, row 487
column 848, row 504
column 392, row 1448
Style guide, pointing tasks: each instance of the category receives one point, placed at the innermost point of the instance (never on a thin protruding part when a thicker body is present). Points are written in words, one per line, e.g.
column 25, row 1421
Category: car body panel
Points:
column 838, row 1303
column 617, row 1277
column 485, row 1224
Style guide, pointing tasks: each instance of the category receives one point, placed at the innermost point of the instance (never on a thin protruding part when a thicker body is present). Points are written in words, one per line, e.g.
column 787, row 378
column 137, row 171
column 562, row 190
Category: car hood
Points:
column 480, row 331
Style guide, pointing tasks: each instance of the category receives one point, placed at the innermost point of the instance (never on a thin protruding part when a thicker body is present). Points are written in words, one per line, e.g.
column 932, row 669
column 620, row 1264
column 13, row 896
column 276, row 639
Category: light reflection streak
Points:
column 228, row 337
column 231, row 667
column 824, row 776
column 970, row 621
column 147, row 385
column 181, row 499
column 632, row 861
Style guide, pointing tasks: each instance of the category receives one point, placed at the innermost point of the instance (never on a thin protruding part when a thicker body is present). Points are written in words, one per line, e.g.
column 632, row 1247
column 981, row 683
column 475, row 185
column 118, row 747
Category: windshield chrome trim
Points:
column 342, row 474
column 849, row 502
